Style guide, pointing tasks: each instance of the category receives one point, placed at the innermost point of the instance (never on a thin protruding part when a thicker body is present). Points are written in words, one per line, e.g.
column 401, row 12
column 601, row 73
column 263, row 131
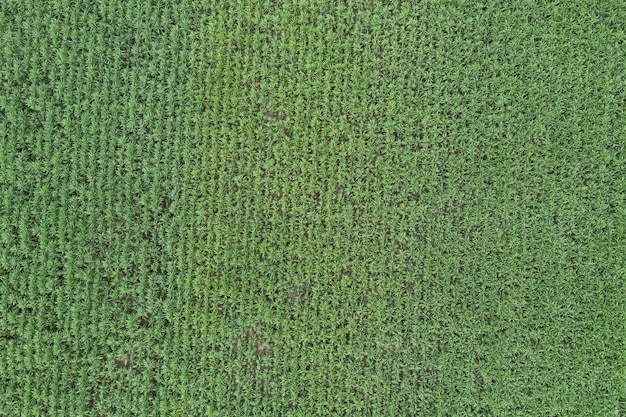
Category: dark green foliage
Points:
column 313, row 208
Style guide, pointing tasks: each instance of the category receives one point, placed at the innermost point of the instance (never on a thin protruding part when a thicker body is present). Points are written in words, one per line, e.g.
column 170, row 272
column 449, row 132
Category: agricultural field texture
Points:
column 313, row 208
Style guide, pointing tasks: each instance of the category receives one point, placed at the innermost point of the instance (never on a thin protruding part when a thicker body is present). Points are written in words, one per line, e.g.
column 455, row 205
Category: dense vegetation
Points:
column 312, row 208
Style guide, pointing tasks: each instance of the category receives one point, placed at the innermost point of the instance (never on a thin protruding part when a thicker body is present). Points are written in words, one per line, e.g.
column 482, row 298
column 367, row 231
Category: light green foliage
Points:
column 312, row 208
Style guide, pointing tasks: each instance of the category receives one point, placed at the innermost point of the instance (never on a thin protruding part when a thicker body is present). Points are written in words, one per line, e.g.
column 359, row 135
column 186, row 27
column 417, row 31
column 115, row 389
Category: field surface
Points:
column 313, row 208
